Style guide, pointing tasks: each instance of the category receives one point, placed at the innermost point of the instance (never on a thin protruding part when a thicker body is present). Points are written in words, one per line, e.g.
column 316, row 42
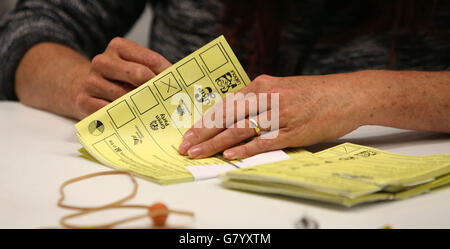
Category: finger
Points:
column 262, row 83
column 91, row 105
column 224, row 140
column 230, row 111
column 202, row 130
column 255, row 98
column 237, row 107
column 131, row 51
column 207, row 127
column 226, row 137
column 101, row 88
column 114, row 68
column 258, row 145
column 195, row 136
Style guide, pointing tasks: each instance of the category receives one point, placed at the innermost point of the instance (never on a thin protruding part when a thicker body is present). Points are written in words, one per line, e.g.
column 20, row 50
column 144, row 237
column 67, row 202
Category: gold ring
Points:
column 255, row 126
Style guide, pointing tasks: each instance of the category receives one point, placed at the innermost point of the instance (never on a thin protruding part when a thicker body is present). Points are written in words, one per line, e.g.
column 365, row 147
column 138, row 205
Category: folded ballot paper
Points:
column 141, row 131
column 347, row 174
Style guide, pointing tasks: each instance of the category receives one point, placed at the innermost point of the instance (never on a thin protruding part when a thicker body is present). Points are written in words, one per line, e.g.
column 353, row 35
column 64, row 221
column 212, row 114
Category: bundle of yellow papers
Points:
column 347, row 174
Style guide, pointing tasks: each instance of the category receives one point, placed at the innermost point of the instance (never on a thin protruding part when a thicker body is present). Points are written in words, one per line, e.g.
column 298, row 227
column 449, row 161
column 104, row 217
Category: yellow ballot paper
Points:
column 346, row 174
column 140, row 132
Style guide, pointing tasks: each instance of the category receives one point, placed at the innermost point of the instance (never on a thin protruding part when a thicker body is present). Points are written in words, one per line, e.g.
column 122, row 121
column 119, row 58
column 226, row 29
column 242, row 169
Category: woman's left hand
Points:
column 312, row 109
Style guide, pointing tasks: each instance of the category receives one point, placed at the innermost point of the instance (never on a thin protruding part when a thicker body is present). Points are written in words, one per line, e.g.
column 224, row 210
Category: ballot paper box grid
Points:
column 167, row 86
column 121, row 114
column 190, row 72
column 213, row 58
column 144, row 100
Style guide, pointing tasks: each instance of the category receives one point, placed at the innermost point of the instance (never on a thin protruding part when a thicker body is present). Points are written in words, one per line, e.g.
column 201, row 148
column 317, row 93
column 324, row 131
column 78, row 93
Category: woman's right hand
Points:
column 123, row 66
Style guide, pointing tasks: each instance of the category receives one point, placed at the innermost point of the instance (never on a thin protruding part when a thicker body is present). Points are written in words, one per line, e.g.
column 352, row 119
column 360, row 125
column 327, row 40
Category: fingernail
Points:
column 188, row 135
column 194, row 152
column 184, row 147
column 230, row 155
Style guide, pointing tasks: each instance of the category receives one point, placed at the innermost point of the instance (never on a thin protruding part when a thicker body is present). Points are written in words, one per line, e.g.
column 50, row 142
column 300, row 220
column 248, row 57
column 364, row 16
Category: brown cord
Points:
column 113, row 205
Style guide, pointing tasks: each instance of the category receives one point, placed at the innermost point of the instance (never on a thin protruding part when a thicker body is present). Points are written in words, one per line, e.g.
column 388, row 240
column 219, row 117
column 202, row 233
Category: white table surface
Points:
column 38, row 151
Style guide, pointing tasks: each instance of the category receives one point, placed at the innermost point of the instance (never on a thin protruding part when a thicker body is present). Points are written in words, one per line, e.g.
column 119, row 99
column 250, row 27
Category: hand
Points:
column 56, row 78
column 311, row 109
column 123, row 66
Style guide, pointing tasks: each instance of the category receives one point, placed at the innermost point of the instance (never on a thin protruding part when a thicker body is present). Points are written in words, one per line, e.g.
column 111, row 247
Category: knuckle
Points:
column 142, row 74
column 90, row 83
column 212, row 146
column 116, row 42
column 263, row 144
column 263, row 78
column 263, row 82
column 237, row 132
column 98, row 61
column 154, row 59
column 195, row 134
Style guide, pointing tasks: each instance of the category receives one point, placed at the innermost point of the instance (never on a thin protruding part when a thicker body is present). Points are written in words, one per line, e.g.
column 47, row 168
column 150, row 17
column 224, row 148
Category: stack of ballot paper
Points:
column 347, row 174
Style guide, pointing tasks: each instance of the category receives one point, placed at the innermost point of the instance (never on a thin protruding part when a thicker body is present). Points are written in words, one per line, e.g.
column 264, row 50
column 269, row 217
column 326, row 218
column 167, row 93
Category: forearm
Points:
column 46, row 78
column 405, row 99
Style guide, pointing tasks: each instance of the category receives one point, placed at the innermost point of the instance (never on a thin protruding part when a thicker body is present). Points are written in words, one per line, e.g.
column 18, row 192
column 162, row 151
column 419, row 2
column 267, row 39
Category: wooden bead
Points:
column 158, row 212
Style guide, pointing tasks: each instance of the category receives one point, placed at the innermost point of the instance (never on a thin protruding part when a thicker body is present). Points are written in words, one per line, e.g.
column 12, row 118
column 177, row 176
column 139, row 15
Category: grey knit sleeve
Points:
column 86, row 26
